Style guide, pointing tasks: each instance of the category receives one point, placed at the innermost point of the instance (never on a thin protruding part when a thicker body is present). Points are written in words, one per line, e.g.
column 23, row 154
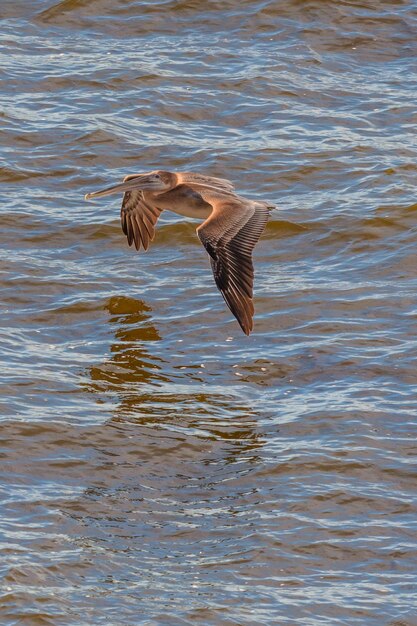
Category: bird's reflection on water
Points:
column 174, row 459
column 156, row 405
column 130, row 362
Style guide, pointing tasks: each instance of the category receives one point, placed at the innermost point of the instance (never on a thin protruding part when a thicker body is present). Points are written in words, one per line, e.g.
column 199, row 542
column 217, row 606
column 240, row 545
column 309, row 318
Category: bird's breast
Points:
column 185, row 202
column 196, row 212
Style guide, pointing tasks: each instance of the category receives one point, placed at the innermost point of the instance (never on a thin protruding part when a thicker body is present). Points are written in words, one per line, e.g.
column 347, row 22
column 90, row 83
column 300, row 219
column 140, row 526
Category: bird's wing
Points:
column 229, row 235
column 138, row 218
column 200, row 180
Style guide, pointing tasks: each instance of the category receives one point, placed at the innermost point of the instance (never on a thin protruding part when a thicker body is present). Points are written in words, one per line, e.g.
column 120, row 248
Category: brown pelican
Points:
column 232, row 225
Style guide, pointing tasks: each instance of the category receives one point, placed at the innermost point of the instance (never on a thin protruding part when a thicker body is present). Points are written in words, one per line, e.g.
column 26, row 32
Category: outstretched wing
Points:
column 200, row 180
column 229, row 236
column 138, row 218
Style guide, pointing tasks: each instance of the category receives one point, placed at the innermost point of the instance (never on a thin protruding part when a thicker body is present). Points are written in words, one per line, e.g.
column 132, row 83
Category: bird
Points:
column 231, row 225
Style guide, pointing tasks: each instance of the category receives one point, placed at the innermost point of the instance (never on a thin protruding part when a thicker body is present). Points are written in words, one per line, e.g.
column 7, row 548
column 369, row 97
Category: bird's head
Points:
column 159, row 180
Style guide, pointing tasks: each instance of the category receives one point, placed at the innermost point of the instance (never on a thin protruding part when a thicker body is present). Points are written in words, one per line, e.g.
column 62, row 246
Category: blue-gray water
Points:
column 157, row 466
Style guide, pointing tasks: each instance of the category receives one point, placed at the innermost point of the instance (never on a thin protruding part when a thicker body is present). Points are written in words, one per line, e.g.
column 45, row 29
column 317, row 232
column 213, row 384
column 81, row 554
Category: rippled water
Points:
column 159, row 467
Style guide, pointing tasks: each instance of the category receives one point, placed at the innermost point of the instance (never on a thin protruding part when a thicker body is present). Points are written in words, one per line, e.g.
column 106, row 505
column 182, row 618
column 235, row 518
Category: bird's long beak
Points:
column 129, row 185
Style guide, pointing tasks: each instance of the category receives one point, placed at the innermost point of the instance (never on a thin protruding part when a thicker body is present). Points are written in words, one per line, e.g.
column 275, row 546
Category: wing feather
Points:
column 138, row 218
column 229, row 236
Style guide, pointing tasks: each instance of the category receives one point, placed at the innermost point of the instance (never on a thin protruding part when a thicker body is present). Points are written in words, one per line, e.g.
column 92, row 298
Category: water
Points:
column 159, row 467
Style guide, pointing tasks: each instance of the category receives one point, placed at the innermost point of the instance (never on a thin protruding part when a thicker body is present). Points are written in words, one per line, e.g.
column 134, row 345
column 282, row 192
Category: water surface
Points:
column 159, row 467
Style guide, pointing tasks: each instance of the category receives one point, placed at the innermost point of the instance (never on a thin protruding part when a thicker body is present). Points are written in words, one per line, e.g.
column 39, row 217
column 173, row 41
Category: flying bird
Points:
column 230, row 230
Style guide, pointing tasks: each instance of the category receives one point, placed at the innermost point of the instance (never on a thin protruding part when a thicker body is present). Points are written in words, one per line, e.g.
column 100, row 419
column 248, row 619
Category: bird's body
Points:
column 231, row 225
column 182, row 200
